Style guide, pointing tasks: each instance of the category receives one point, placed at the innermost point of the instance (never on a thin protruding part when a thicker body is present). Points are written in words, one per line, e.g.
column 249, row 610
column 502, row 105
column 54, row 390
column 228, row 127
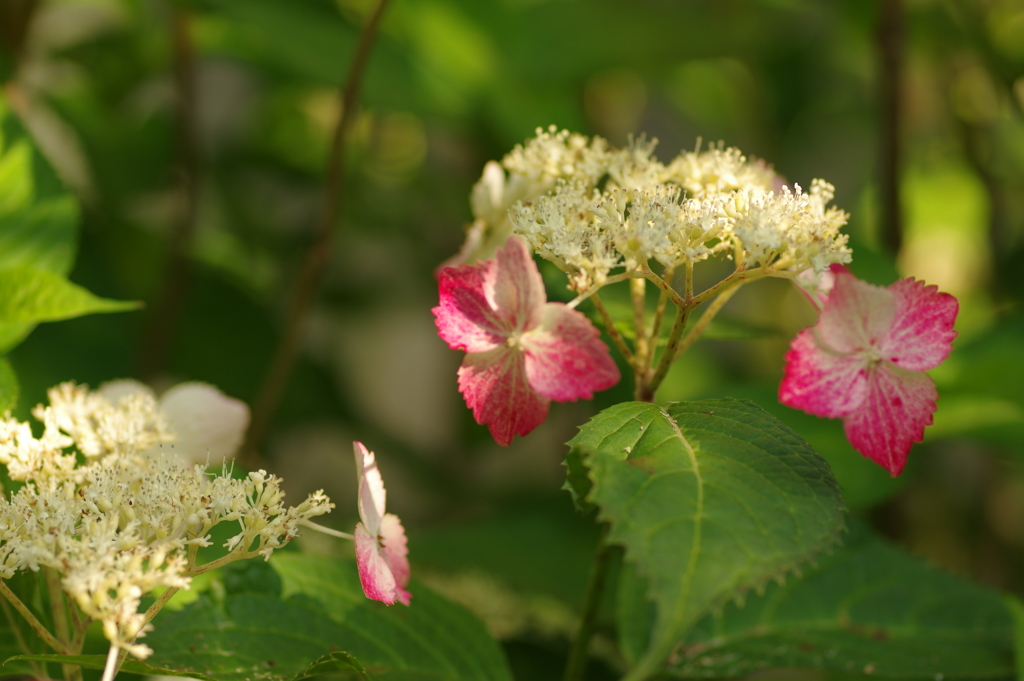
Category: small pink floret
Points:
column 864, row 362
column 381, row 552
column 522, row 351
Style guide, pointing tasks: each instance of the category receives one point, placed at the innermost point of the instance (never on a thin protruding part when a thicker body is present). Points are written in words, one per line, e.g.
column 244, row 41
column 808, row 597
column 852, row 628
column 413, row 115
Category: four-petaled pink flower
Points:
column 380, row 538
column 522, row 351
column 864, row 362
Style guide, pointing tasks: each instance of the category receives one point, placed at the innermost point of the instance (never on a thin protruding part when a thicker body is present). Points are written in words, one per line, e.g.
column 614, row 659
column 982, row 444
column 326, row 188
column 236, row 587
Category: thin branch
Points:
column 613, row 332
column 891, row 38
column 614, row 279
column 705, row 319
column 160, row 602
column 638, row 296
column 280, row 370
column 222, row 561
column 15, row 19
column 81, row 626
column 59, row 612
column 669, row 356
column 577, row 663
column 327, row 530
column 164, row 315
column 37, row 626
column 36, row 669
column 659, row 313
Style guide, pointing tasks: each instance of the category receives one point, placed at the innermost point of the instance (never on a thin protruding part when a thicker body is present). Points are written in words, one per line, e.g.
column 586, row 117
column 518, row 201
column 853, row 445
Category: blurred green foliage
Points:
column 225, row 176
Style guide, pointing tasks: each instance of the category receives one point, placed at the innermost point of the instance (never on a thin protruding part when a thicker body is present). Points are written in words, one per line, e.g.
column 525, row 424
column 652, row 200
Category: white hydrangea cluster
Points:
column 591, row 209
column 117, row 514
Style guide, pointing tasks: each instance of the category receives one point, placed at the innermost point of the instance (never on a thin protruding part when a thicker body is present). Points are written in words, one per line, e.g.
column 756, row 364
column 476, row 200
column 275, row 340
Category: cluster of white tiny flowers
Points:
column 591, row 209
column 119, row 521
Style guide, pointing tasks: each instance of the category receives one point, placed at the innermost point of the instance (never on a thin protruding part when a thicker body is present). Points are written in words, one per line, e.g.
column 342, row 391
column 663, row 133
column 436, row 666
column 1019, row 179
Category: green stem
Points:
column 704, row 320
column 37, row 670
column 222, row 561
column 638, row 295
column 614, row 279
column 36, row 625
column 666, row 288
column 577, row 663
column 613, row 332
column 670, row 354
column 58, row 610
column 80, row 625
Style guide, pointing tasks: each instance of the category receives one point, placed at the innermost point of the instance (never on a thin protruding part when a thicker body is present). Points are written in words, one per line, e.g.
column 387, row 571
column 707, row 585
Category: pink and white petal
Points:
column 374, row 574
column 922, row 329
column 565, row 357
column 372, row 495
column 857, row 315
column 819, row 380
column 495, row 387
column 518, row 290
column 899, row 405
column 466, row 318
column 396, row 554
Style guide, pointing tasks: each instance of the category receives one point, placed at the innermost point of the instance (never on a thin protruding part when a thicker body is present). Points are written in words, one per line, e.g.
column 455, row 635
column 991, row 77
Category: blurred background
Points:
column 196, row 135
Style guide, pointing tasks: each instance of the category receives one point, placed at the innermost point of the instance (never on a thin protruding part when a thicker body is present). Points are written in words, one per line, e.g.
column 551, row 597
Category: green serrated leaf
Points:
column 38, row 216
column 868, row 609
column 247, row 635
column 709, row 499
column 577, row 479
column 99, row 661
column 431, row 639
column 9, row 389
column 337, row 665
column 29, row 296
column 341, row 666
column 1016, row 609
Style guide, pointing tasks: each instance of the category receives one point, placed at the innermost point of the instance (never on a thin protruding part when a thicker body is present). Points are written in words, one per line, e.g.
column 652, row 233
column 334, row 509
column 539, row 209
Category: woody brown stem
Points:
column 319, row 253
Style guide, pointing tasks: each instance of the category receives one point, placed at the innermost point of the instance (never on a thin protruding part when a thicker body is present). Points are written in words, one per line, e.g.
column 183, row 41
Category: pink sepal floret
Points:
column 381, row 552
column 864, row 362
column 522, row 351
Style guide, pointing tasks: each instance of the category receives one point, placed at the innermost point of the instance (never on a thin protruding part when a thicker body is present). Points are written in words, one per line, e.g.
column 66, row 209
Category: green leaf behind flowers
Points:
column 29, row 296
column 709, row 499
column 38, row 216
column 320, row 624
column 870, row 608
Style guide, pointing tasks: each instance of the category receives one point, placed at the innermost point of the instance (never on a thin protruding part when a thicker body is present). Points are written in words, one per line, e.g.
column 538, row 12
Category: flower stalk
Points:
column 576, row 665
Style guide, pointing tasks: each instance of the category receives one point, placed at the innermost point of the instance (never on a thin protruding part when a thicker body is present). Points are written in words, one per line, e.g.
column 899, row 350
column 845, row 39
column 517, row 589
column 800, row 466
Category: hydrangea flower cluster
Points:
column 116, row 514
column 591, row 209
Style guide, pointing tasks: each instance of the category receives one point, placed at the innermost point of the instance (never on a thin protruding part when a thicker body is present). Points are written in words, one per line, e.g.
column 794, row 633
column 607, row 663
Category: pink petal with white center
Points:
column 922, row 329
column 495, row 387
column 374, row 573
column 372, row 495
column 820, row 380
column 465, row 318
column 395, row 552
column 565, row 358
column 898, row 406
column 857, row 316
column 518, row 290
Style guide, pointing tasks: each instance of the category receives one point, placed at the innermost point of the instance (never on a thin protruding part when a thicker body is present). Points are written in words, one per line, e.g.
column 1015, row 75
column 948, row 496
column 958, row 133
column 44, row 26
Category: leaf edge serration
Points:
column 737, row 590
